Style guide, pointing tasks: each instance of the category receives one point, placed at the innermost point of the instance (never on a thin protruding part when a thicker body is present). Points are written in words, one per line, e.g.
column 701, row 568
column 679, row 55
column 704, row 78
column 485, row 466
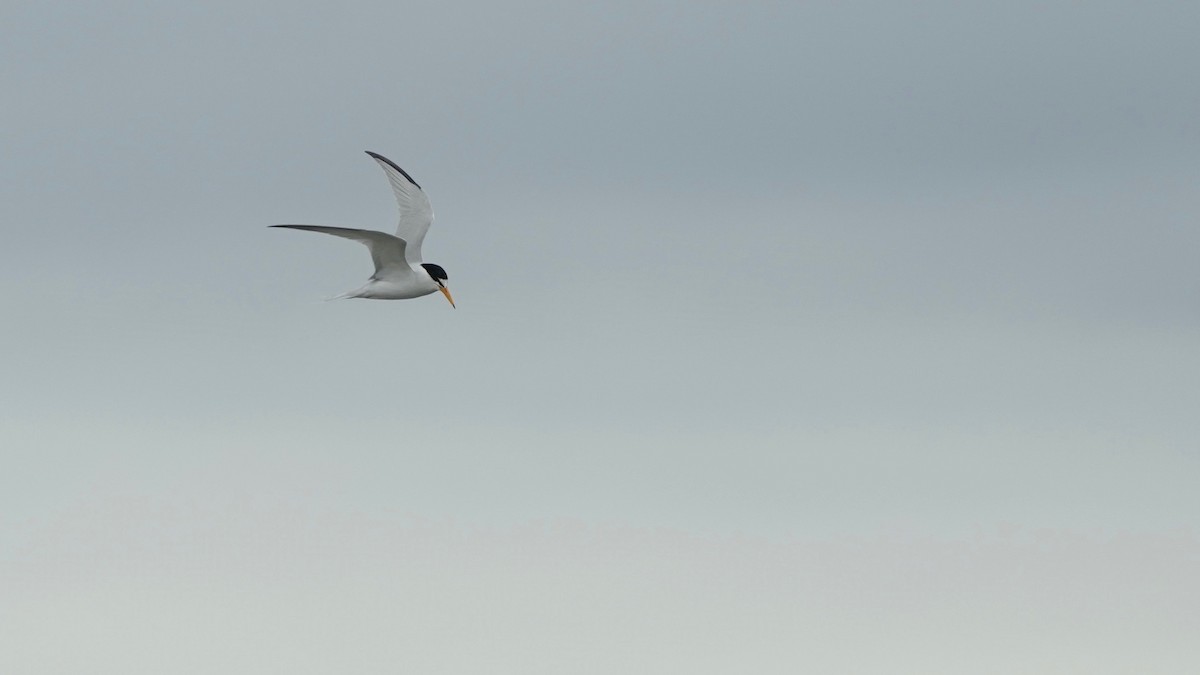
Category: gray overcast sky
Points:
column 830, row 337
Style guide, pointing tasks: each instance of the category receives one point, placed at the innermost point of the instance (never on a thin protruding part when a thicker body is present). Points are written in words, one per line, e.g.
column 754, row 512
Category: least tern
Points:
column 399, row 272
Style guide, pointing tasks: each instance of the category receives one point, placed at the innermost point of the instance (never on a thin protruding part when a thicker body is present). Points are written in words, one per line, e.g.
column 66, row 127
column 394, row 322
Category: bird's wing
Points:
column 416, row 214
column 387, row 251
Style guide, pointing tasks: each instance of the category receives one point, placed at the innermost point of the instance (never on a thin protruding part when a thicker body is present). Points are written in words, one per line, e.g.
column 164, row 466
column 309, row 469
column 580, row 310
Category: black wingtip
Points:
column 392, row 164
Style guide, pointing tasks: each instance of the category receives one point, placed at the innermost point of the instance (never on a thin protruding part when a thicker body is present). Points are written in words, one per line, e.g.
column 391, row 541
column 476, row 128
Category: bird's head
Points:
column 439, row 276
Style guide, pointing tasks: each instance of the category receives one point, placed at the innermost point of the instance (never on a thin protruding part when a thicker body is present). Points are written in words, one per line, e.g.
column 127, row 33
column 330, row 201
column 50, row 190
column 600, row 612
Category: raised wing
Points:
column 387, row 252
column 416, row 214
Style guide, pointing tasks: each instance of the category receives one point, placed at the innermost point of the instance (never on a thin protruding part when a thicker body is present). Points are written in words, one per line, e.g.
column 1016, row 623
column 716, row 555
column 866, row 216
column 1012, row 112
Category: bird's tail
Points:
column 345, row 296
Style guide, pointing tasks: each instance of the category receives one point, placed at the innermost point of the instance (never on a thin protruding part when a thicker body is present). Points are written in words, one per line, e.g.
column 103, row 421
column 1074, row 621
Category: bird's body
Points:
column 399, row 272
column 395, row 289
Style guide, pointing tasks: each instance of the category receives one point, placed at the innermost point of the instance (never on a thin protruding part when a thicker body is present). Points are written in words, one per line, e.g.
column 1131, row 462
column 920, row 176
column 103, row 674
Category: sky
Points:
column 837, row 337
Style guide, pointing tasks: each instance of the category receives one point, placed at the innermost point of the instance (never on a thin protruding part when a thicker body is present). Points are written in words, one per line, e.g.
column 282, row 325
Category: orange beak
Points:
column 446, row 292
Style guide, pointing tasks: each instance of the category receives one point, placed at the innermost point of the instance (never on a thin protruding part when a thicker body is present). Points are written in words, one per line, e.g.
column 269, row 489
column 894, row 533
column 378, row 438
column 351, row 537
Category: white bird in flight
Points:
column 399, row 272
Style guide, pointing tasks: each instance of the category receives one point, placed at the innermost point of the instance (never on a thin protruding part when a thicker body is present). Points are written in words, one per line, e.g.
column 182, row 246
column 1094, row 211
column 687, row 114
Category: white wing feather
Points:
column 387, row 252
column 416, row 214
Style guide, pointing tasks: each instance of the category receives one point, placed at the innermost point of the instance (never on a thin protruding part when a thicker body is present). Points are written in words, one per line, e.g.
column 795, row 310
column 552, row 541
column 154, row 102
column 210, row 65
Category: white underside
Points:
column 384, row 289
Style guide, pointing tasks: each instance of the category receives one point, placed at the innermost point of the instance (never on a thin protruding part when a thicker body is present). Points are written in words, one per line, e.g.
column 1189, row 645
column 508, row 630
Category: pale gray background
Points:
column 838, row 337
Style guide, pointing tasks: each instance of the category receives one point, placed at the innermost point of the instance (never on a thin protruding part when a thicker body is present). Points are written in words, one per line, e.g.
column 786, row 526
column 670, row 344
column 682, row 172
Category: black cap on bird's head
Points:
column 439, row 276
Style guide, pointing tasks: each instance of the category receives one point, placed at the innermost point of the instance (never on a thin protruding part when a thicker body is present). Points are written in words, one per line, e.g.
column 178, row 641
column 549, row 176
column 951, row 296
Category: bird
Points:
column 399, row 272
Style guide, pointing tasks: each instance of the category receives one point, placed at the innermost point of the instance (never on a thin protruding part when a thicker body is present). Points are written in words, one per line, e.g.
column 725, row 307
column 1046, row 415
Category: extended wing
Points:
column 416, row 214
column 387, row 252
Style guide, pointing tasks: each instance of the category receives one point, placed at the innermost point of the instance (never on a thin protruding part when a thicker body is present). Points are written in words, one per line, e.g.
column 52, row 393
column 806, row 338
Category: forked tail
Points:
column 347, row 295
